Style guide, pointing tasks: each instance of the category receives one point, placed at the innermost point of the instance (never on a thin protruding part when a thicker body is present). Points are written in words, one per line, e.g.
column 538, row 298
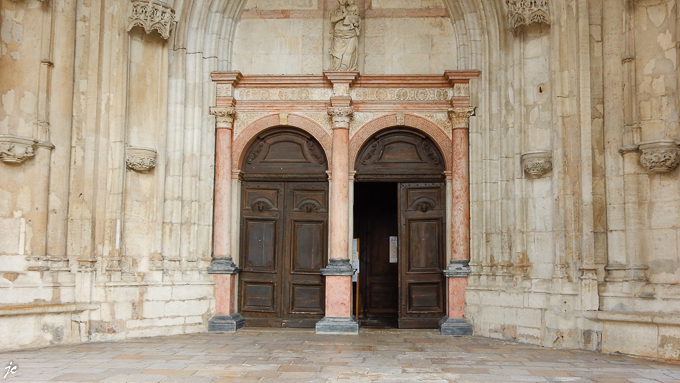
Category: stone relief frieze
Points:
column 660, row 156
column 140, row 160
column 152, row 15
column 403, row 94
column 440, row 119
column 526, row 12
column 305, row 94
column 359, row 120
column 246, row 118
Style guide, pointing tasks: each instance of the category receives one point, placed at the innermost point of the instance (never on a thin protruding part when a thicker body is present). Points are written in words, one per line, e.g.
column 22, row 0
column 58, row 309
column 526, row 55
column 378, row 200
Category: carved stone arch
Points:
column 417, row 123
column 252, row 131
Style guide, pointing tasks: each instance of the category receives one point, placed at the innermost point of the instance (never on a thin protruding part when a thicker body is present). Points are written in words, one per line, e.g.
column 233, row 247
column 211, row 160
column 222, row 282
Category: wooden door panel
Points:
column 258, row 297
column 425, row 253
column 307, row 248
column 421, row 253
column 260, row 251
column 307, row 298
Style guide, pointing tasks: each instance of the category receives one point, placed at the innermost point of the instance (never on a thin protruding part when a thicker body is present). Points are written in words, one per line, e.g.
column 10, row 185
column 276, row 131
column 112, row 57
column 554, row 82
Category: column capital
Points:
column 460, row 117
column 224, row 116
column 341, row 116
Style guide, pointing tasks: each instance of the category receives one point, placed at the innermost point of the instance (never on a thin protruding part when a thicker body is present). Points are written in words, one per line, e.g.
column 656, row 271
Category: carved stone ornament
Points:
column 537, row 164
column 346, row 30
column 660, row 156
column 150, row 15
column 17, row 149
column 224, row 117
column 341, row 116
column 140, row 159
column 460, row 117
column 527, row 12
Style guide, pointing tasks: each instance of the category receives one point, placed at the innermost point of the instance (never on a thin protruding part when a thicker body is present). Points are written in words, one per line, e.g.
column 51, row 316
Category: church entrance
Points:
column 399, row 220
column 284, row 228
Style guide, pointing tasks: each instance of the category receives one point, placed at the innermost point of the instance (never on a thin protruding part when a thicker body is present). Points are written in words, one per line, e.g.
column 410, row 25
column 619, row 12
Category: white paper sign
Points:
column 394, row 247
column 355, row 266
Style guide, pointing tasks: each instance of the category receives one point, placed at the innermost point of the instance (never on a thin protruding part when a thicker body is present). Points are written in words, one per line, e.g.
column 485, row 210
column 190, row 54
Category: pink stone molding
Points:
column 225, row 294
column 243, row 140
column 422, row 124
column 456, row 288
column 338, row 296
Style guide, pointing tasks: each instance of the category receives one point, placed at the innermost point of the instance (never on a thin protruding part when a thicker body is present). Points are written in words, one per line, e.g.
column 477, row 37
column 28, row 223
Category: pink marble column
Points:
column 339, row 272
column 458, row 270
column 222, row 266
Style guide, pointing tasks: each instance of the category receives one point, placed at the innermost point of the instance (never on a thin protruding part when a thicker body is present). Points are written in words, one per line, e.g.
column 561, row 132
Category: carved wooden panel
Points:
column 285, row 154
column 399, row 154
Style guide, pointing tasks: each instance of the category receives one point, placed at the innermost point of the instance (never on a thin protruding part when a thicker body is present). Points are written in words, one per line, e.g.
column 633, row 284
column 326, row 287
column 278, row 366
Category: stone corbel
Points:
column 660, row 156
column 526, row 12
column 152, row 15
column 537, row 164
column 140, row 160
column 18, row 149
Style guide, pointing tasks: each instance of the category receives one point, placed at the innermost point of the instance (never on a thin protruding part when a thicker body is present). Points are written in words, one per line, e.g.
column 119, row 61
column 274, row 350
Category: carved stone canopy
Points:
column 150, row 15
column 140, row 159
column 537, row 164
column 526, row 12
column 660, row 156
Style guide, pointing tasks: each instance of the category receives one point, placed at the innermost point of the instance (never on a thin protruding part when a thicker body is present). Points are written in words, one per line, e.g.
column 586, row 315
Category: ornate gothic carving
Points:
column 341, row 116
column 150, row 15
column 261, row 206
column 538, row 163
column 346, row 30
column 309, row 207
column 660, row 156
column 140, row 159
column 16, row 149
column 424, row 206
column 527, row 12
column 314, row 151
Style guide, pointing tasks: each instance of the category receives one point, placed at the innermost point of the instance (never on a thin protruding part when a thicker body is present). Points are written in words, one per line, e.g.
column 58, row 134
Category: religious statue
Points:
column 346, row 31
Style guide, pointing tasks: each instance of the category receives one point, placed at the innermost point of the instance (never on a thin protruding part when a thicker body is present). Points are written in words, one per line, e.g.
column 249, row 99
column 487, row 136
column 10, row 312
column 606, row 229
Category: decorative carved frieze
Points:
column 537, row 164
column 152, row 15
column 526, row 12
column 140, row 159
column 460, row 117
column 403, row 94
column 18, row 149
column 660, row 156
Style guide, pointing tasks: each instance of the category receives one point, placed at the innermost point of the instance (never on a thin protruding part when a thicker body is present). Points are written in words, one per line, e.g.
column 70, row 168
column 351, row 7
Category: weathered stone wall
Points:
column 107, row 192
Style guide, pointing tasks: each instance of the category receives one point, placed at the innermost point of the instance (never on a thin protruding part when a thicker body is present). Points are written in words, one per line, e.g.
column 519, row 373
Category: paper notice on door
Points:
column 355, row 266
column 394, row 254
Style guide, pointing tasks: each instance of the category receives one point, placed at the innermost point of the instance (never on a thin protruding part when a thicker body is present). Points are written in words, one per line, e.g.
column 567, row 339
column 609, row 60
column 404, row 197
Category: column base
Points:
column 340, row 326
column 226, row 323
column 455, row 326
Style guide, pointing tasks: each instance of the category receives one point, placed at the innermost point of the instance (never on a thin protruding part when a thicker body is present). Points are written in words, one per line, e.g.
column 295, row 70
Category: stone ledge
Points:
column 47, row 309
column 615, row 316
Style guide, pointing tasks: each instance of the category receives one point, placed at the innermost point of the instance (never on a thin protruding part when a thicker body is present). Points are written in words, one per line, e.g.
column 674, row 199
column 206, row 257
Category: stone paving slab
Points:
column 297, row 356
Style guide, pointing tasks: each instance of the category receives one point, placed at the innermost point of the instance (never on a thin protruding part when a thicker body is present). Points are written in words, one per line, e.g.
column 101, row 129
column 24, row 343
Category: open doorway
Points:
column 376, row 209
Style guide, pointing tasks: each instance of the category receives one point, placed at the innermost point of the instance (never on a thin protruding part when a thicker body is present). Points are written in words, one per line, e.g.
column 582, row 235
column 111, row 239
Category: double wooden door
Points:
column 409, row 292
column 283, row 249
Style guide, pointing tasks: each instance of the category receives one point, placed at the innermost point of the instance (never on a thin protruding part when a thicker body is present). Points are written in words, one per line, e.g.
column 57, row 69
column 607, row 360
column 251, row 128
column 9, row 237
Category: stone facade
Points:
column 108, row 156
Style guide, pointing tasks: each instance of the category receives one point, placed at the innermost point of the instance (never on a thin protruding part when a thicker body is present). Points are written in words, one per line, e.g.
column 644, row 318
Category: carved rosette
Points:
column 537, row 164
column 16, row 149
column 660, row 156
column 341, row 116
column 150, row 15
column 224, row 117
column 140, row 160
column 527, row 12
column 460, row 117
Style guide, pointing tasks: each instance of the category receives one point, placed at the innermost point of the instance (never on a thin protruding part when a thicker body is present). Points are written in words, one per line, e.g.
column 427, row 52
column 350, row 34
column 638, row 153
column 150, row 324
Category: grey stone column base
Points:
column 340, row 326
column 226, row 323
column 455, row 326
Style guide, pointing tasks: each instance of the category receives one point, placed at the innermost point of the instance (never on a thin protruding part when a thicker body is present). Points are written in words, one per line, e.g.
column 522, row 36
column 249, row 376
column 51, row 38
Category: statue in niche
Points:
column 346, row 31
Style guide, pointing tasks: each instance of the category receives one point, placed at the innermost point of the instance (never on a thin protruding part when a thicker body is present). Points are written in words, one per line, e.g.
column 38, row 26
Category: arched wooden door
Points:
column 284, row 230
column 400, row 193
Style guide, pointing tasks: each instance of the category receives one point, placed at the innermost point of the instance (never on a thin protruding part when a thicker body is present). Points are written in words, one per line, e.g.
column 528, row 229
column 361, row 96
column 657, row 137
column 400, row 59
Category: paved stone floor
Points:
column 302, row 356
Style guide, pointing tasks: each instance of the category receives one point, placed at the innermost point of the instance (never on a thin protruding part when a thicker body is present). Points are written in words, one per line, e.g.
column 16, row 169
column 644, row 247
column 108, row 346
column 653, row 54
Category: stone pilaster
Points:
column 339, row 272
column 458, row 271
column 222, row 266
